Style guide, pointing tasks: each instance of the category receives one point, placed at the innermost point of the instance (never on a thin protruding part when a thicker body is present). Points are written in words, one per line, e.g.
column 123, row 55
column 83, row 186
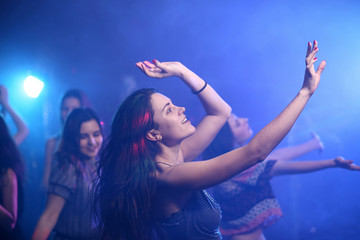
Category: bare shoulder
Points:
column 10, row 173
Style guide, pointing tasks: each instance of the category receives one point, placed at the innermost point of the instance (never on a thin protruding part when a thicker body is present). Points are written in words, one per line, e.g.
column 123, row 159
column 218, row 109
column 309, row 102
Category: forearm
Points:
column 22, row 129
column 218, row 111
column 49, row 217
column 282, row 168
column 271, row 135
column 289, row 153
column 212, row 102
column 44, row 227
column 7, row 220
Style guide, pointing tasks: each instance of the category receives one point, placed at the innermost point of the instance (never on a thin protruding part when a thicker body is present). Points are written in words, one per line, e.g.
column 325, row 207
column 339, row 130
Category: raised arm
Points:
column 22, row 130
column 283, row 167
column 290, row 153
column 49, row 217
column 218, row 111
column 204, row 174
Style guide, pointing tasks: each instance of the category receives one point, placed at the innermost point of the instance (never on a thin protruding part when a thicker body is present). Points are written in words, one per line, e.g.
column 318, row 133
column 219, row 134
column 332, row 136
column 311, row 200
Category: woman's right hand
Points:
column 161, row 69
column 316, row 141
column 312, row 78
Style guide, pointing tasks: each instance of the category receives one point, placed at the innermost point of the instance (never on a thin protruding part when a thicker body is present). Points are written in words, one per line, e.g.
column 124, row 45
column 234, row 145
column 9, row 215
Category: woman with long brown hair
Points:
column 147, row 182
column 67, row 210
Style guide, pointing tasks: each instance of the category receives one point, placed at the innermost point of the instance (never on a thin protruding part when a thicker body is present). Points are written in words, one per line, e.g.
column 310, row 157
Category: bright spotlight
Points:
column 33, row 86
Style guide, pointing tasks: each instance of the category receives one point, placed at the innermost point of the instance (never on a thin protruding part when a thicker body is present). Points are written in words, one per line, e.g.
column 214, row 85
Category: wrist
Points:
column 304, row 92
column 184, row 73
column 333, row 163
column 200, row 90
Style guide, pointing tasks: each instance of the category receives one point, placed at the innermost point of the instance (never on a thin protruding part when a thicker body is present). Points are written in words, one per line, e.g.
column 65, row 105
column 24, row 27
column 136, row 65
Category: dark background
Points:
column 252, row 52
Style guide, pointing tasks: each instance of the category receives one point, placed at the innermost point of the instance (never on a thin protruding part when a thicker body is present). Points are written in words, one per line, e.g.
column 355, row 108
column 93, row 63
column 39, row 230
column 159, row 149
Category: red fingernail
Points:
column 154, row 60
column 315, row 49
column 315, row 58
column 314, row 41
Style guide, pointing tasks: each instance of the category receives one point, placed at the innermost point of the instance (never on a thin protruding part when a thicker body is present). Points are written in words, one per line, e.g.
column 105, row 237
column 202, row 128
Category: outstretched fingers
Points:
column 347, row 164
column 148, row 68
column 308, row 49
column 352, row 166
column 310, row 54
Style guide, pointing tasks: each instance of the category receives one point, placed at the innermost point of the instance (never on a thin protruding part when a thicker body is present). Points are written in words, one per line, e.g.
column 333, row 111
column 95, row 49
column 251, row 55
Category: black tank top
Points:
column 198, row 220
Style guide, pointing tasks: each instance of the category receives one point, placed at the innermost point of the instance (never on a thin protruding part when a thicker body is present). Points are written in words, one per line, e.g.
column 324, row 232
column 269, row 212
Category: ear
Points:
column 153, row 135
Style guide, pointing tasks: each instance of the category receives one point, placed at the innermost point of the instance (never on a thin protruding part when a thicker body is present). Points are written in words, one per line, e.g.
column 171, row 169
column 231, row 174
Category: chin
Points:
column 193, row 130
column 189, row 133
column 89, row 155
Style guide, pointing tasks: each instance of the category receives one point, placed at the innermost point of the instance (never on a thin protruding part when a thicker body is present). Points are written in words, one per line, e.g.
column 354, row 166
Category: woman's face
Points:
column 172, row 122
column 90, row 138
column 240, row 129
column 68, row 105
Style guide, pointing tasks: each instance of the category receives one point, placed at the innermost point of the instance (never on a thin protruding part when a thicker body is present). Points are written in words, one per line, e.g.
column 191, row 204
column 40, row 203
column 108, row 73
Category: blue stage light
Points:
column 33, row 86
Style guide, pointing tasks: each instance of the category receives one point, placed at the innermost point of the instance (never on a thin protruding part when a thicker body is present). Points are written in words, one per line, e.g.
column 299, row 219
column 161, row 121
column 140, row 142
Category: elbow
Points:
column 257, row 153
column 10, row 224
column 25, row 131
column 227, row 111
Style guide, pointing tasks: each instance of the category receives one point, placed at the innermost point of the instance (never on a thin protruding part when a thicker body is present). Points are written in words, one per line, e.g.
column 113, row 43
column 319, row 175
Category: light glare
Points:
column 33, row 86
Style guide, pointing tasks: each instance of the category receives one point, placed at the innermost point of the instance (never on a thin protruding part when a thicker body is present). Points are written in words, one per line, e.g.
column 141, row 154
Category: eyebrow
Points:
column 165, row 106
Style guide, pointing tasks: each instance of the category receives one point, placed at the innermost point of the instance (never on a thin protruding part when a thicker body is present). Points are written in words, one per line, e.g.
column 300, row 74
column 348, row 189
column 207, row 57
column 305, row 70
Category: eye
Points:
column 83, row 136
column 169, row 110
column 96, row 134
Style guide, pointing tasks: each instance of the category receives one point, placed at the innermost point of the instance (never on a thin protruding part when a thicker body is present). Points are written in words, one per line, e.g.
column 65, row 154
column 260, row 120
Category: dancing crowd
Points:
column 145, row 180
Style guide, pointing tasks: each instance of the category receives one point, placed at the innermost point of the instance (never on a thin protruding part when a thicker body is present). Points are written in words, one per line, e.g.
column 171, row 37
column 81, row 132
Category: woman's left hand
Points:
column 312, row 77
column 161, row 70
column 340, row 162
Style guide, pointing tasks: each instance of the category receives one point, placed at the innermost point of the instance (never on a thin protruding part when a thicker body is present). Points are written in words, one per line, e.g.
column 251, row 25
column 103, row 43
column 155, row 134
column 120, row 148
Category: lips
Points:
column 185, row 120
column 92, row 149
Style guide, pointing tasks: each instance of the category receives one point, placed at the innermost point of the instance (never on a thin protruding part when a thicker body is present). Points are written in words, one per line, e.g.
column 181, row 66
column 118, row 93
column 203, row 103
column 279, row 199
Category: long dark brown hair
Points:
column 126, row 172
column 69, row 148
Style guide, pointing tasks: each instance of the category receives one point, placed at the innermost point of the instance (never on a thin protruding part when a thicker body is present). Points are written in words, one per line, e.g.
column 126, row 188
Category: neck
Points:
column 170, row 155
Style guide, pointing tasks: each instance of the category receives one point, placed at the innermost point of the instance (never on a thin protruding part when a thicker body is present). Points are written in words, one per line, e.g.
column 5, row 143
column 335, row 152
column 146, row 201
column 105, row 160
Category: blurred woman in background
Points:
column 11, row 185
column 67, row 210
column 72, row 99
column 12, row 171
column 247, row 201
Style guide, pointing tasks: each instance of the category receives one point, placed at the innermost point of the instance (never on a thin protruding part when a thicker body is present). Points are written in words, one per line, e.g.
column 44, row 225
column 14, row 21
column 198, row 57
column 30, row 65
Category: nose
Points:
column 181, row 110
column 91, row 141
